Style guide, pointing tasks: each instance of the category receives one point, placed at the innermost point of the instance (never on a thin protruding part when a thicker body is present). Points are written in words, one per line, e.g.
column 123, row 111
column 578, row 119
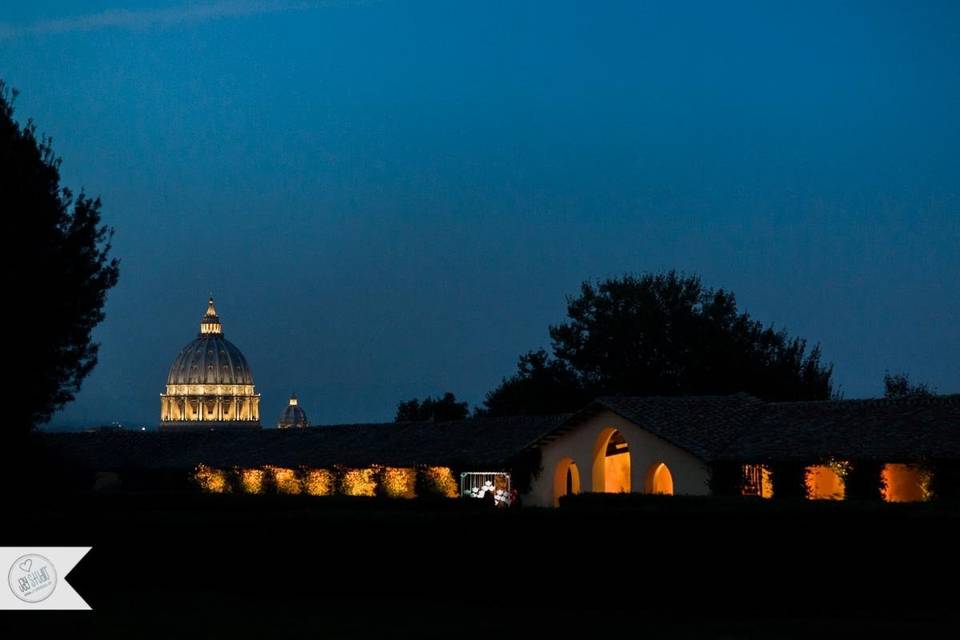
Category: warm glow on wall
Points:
column 617, row 473
column 611, row 462
column 211, row 480
column 566, row 480
column 766, row 486
column 904, row 483
column 359, row 482
column 392, row 482
column 440, row 481
column 398, row 482
column 756, row 481
column 285, row 480
column 660, row 480
column 824, row 482
column 251, row 480
column 318, row 482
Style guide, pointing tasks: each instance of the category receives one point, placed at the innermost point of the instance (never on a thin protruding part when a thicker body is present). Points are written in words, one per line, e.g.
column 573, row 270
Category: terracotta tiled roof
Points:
column 737, row 428
column 475, row 442
column 703, row 425
column 904, row 430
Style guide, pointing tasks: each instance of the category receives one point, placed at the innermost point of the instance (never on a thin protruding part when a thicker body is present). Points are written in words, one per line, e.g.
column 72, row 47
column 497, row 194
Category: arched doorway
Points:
column 611, row 462
column 659, row 479
column 566, row 480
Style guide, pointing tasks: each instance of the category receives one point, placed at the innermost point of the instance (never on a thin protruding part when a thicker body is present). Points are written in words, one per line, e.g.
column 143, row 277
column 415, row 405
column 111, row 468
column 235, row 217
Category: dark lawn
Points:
column 203, row 566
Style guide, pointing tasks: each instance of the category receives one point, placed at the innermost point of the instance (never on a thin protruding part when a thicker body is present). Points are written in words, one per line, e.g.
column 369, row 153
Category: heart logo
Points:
column 26, row 564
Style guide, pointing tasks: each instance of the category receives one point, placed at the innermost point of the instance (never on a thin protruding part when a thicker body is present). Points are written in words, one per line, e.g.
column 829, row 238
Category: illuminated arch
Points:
column 659, row 479
column 611, row 462
column 566, row 480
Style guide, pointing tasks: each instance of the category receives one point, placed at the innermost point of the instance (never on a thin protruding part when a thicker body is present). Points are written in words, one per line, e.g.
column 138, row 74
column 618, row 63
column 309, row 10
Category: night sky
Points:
column 392, row 199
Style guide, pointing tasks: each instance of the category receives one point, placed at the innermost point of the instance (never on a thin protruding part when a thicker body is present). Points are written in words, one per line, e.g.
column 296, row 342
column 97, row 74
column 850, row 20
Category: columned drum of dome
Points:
column 210, row 385
column 294, row 417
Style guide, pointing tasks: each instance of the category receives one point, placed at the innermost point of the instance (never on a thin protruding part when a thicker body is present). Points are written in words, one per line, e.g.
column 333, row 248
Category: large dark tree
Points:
column 58, row 271
column 432, row 409
column 542, row 385
column 663, row 334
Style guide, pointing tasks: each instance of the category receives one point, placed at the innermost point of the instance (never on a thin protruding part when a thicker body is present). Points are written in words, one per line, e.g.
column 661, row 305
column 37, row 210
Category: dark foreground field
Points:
column 199, row 566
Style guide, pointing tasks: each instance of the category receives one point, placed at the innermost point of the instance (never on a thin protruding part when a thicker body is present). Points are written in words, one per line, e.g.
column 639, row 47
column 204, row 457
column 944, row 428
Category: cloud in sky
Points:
column 163, row 17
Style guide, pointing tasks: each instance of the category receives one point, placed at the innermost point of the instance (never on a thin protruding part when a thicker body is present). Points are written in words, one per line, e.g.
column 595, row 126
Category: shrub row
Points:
column 394, row 482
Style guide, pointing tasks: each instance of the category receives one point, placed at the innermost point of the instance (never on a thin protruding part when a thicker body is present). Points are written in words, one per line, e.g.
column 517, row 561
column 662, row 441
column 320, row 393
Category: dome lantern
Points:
column 210, row 322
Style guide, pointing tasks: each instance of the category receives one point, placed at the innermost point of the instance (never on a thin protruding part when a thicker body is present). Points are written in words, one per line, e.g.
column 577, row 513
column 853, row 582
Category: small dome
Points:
column 294, row 417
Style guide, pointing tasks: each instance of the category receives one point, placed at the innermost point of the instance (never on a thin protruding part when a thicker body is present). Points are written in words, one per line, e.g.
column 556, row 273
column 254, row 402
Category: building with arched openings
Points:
column 895, row 450
column 209, row 385
column 661, row 446
column 703, row 445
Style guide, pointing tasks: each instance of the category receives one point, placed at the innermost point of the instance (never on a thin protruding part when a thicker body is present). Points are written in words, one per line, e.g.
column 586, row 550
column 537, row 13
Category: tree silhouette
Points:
column 541, row 386
column 59, row 253
column 432, row 409
column 899, row 386
column 663, row 334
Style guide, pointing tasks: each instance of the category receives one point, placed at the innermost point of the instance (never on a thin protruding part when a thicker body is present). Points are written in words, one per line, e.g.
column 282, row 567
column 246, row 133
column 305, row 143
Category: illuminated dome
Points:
column 294, row 417
column 210, row 385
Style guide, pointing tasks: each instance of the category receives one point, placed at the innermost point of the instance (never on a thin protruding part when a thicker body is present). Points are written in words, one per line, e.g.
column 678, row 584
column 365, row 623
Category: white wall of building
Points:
column 690, row 474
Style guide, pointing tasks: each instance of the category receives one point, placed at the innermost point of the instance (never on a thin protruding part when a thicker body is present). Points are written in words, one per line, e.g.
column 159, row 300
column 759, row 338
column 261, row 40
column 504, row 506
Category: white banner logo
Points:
column 37, row 578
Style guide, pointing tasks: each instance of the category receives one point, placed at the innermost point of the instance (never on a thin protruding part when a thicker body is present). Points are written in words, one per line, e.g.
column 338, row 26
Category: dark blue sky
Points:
column 392, row 199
